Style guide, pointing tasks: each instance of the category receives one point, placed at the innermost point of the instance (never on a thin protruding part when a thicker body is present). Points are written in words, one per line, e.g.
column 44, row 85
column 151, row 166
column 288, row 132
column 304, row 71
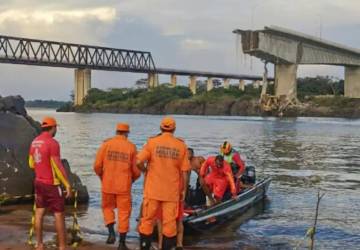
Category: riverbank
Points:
column 221, row 102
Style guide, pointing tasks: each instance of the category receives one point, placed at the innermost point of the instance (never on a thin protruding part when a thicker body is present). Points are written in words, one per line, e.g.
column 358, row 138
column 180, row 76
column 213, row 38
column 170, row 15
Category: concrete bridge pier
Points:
column 285, row 80
column 173, row 80
column 209, row 84
column 82, row 85
column 256, row 84
column 153, row 80
column 226, row 83
column 192, row 84
column 352, row 82
column 242, row 85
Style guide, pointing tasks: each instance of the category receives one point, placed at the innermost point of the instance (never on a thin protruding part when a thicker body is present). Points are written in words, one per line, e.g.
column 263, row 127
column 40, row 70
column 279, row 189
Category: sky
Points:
column 183, row 34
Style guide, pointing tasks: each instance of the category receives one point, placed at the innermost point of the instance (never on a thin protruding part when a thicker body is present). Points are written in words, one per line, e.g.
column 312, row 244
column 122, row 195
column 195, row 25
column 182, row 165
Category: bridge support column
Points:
column 352, row 82
column 173, row 80
column 82, row 85
column 256, row 84
column 153, row 80
column 285, row 80
column 242, row 85
column 192, row 84
column 226, row 83
column 209, row 84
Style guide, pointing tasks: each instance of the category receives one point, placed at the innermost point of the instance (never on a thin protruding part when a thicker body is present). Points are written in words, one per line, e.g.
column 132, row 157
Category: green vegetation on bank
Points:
column 320, row 96
column 158, row 99
column 45, row 104
column 314, row 86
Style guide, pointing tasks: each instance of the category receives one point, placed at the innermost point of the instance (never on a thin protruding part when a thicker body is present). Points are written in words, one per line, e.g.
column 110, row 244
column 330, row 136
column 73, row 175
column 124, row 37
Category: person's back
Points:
column 164, row 167
column 115, row 164
column 166, row 158
column 118, row 160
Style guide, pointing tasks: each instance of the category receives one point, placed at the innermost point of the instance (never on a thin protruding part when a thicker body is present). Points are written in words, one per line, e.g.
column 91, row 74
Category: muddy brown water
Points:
column 300, row 154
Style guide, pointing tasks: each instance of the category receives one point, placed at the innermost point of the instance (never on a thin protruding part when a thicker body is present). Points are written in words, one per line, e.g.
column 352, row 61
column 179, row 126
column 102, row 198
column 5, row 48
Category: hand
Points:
column 234, row 196
column 68, row 192
column 182, row 196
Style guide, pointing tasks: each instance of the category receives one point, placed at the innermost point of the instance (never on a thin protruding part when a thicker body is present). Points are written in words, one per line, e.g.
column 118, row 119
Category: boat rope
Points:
column 5, row 197
column 76, row 236
column 32, row 226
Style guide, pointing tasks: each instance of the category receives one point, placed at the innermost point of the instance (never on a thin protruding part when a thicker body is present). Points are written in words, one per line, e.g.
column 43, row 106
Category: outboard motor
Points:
column 249, row 176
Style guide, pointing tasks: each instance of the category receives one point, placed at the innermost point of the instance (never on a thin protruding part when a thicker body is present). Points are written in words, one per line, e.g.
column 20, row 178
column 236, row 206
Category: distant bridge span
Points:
column 84, row 58
column 287, row 49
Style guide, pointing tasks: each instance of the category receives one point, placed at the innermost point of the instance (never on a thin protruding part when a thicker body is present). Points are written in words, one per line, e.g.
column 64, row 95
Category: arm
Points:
column 135, row 171
column 31, row 158
column 99, row 160
column 58, row 167
column 230, row 178
column 204, row 168
column 185, row 170
column 240, row 163
column 142, row 156
column 185, row 175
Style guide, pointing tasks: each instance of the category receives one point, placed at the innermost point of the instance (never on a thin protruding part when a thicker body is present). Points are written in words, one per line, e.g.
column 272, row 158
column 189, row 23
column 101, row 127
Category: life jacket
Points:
column 229, row 159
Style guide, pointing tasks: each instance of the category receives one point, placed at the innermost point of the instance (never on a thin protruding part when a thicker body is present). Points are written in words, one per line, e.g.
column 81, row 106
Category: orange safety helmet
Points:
column 225, row 148
column 122, row 127
column 48, row 122
column 168, row 123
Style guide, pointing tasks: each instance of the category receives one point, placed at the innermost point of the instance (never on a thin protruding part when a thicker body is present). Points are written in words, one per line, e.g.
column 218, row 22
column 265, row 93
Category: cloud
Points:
column 48, row 17
column 180, row 34
column 195, row 44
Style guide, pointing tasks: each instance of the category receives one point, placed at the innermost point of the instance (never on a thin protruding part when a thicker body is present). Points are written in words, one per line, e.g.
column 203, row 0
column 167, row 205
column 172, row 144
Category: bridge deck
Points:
column 16, row 50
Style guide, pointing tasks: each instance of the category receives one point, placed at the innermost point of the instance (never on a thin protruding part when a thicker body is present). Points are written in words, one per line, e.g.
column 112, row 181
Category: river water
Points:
column 301, row 155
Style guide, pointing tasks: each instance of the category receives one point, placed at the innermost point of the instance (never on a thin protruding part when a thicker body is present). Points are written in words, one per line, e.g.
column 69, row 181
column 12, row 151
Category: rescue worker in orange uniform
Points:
column 44, row 158
column 219, row 178
column 115, row 164
column 179, row 222
column 167, row 160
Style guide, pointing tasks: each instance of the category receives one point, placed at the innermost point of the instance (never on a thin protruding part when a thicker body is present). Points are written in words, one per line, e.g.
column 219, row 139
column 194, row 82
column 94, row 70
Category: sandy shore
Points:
column 14, row 229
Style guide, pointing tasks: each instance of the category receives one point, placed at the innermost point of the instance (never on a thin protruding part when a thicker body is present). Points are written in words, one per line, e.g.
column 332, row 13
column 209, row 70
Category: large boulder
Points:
column 17, row 130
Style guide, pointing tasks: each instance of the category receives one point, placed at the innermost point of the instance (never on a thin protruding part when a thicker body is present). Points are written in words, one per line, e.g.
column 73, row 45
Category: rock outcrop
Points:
column 17, row 130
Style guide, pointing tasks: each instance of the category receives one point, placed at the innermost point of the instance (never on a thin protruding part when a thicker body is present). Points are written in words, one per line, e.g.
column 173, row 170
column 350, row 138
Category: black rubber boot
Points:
column 122, row 245
column 111, row 238
column 169, row 243
column 145, row 242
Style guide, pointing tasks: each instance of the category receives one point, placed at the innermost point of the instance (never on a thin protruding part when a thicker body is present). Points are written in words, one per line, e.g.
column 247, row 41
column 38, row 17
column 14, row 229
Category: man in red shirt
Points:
column 219, row 178
column 44, row 158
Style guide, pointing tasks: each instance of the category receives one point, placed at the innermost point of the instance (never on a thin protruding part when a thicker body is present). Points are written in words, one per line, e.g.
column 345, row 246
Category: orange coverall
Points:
column 167, row 159
column 219, row 178
column 115, row 164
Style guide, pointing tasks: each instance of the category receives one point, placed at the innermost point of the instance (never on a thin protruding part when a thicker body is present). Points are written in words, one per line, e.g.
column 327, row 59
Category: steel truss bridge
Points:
column 69, row 55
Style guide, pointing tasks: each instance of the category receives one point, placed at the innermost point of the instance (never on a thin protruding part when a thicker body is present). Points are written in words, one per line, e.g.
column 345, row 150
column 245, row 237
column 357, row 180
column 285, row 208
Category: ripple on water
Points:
column 301, row 154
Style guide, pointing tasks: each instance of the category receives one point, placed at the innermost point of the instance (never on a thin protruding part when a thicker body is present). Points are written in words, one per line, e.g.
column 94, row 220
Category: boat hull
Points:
column 223, row 212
